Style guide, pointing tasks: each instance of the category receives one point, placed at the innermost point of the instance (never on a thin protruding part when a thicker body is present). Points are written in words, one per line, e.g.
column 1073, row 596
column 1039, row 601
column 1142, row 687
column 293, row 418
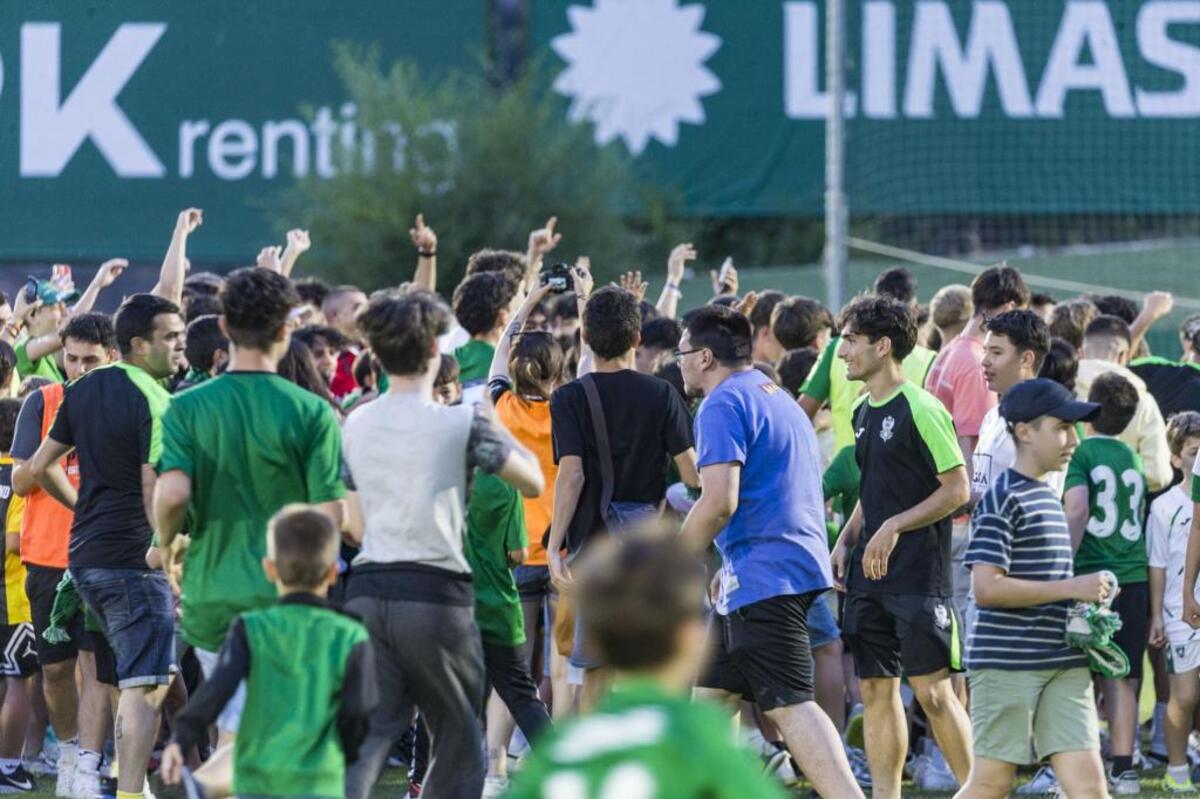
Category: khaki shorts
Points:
column 1053, row 710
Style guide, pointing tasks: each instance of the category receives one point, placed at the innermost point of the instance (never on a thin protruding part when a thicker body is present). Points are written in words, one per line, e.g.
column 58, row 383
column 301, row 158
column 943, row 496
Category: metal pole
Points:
column 836, row 211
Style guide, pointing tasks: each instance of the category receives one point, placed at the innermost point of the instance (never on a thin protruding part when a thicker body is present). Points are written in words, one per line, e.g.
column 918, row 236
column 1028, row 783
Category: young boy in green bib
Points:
column 309, row 674
column 1105, row 502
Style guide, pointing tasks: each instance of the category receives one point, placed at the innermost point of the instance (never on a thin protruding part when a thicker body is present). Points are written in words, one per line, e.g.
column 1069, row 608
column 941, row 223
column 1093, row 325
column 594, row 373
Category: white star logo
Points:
column 636, row 69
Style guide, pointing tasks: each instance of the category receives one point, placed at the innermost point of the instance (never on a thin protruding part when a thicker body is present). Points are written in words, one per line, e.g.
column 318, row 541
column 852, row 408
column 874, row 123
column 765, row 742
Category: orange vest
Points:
column 46, row 529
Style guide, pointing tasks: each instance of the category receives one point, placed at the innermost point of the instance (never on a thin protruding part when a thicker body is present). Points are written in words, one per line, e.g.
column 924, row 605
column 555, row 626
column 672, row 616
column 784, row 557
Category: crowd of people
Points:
column 269, row 537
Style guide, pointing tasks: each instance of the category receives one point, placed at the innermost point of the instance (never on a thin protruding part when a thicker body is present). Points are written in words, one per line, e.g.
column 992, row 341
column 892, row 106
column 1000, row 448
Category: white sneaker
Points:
column 85, row 785
column 494, row 787
column 63, row 786
column 936, row 775
column 1126, row 784
column 1044, row 782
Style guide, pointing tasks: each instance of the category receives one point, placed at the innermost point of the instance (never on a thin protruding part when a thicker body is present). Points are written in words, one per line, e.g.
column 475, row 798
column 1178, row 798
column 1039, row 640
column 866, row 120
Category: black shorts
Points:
column 762, row 652
column 893, row 635
column 41, row 583
column 106, row 661
column 1133, row 606
column 20, row 658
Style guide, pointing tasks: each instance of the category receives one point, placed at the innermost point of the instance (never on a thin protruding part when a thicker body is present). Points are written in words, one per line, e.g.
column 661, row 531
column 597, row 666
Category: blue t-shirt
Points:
column 1019, row 527
column 775, row 543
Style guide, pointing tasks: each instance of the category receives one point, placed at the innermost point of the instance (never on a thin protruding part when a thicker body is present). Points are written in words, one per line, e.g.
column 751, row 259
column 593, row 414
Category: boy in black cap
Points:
column 1024, row 677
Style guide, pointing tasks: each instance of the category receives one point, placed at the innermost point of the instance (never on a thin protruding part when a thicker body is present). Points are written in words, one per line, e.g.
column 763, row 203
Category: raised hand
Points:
column 188, row 220
column 423, row 237
column 633, row 283
column 268, row 258
column 726, row 280
column 677, row 262
column 298, row 241
column 746, row 306
column 543, row 240
column 581, row 276
column 110, row 270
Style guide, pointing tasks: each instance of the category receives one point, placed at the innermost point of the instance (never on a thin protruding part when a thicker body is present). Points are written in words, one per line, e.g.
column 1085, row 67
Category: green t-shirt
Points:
column 474, row 360
column 1116, row 486
column 46, row 367
column 644, row 742
column 840, row 483
column 495, row 525
column 827, row 382
column 251, row 442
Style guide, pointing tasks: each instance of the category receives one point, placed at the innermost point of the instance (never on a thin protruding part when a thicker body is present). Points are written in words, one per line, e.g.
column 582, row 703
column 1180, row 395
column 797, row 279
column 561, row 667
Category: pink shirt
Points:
column 956, row 378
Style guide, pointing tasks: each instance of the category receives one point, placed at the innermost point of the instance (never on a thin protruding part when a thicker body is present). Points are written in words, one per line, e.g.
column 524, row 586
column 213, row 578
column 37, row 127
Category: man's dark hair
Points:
column 1069, row 319
column 9, row 408
column 8, row 363
column 619, row 578
column 661, row 334
column 201, row 305
column 312, row 291
column 1118, row 401
column 648, row 311
column 1038, row 298
column 506, row 262
column 256, row 303
column 794, row 368
column 310, row 333
column 1025, row 329
column 480, row 298
column 564, row 306
column 726, row 300
column 722, row 331
column 1061, row 364
column 367, row 370
column 91, row 328
column 996, row 287
column 202, row 284
column 880, row 317
column 204, row 338
column 899, row 284
column 798, row 321
column 448, row 371
column 669, row 370
column 304, row 544
column 135, row 318
column 1120, row 307
column 404, row 330
column 764, row 306
column 1106, row 326
column 611, row 322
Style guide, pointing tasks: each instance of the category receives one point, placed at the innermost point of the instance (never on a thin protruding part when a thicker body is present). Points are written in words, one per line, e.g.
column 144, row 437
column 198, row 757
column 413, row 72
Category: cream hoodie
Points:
column 1147, row 433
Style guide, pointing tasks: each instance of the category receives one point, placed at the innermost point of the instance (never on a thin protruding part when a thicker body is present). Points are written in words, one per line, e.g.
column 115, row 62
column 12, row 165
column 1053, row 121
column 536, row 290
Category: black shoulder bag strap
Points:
column 601, row 429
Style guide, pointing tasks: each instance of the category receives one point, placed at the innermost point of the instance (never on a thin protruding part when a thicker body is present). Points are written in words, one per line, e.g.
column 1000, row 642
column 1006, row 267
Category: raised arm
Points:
column 541, row 241
column 581, row 276
column 297, row 244
column 106, row 275
column 1155, row 306
column 499, row 367
column 174, row 265
column 425, row 240
column 668, row 300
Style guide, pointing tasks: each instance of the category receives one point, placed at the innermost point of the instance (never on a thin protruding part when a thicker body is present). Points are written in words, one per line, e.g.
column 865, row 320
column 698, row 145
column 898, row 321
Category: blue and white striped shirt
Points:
column 1019, row 527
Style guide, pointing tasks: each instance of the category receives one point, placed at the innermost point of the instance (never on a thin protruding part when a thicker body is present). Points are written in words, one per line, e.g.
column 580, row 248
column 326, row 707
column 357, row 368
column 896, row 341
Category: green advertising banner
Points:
column 992, row 106
column 115, row 115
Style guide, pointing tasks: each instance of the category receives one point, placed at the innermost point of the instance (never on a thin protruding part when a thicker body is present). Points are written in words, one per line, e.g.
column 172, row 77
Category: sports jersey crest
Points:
column 886, row 432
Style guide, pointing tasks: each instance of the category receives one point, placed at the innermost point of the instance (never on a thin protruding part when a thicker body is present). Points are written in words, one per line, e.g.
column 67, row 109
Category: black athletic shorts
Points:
column 1133, row 606
column 41, row 582
column 762, row 652
column 893, row 635
column 20, row 658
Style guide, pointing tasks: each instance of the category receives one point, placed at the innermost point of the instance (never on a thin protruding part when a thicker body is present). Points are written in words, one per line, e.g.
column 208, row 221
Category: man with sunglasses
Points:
column 761, row 501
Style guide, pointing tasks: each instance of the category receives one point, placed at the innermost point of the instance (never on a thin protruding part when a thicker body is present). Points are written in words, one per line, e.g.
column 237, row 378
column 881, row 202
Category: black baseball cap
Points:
column 1030, row 399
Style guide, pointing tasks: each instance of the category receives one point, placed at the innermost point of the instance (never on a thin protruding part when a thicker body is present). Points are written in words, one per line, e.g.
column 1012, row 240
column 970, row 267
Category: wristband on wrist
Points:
column 427, row 253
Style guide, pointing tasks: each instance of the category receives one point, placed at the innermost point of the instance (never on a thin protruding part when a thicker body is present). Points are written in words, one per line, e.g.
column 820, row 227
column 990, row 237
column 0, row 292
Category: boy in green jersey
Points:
column 646, row 738
column 1105, row 501
column 305, row 717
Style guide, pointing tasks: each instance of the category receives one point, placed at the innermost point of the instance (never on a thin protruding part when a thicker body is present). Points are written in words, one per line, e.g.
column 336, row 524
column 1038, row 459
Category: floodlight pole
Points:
column 836, row 209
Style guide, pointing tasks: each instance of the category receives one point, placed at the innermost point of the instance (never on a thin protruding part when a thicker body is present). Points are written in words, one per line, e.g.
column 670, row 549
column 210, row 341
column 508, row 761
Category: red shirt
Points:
column 956, row 378
column 343, row 379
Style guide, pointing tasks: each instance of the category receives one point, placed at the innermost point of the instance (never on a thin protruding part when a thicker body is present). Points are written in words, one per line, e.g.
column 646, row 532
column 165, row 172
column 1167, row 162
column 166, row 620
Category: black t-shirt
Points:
column 647, row 424
column 27, row 436
column 109, row 419
column 1174, row 386
column 901, row 446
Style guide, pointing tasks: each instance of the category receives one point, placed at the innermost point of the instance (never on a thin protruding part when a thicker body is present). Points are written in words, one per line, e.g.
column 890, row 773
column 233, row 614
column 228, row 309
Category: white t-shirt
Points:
column 1167, row 538
column 995, row 452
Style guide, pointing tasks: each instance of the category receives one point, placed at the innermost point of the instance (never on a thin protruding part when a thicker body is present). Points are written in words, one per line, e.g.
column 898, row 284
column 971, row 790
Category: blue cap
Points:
column 1030, row 399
